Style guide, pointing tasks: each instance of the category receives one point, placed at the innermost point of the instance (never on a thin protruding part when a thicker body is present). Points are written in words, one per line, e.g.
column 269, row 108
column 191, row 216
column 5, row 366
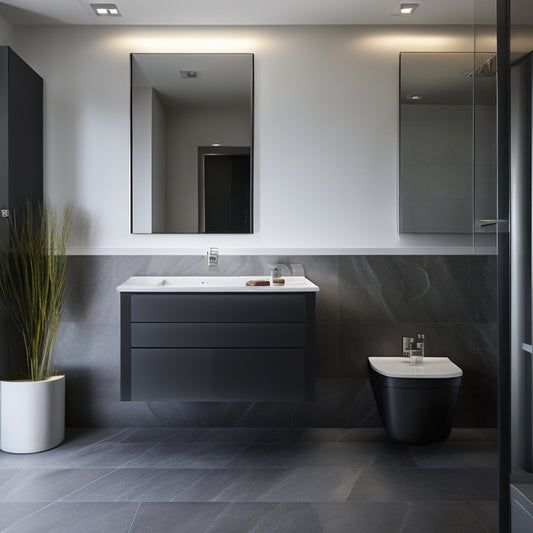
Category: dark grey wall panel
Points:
column 365, row 304
column 217, row 307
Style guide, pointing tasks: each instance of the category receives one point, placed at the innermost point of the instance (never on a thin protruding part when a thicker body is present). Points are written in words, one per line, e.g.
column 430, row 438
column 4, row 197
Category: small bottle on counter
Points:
column 420, row 342
column 406, row 341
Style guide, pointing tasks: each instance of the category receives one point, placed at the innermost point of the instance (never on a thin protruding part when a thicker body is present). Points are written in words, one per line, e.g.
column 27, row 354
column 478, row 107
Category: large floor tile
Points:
column 365, row 435
column 392, row 455
column 176, row 517
column 158, row 435
column 273, row 485
column 473, row 435
column 296, row 455
column 106, row 455
column 487, row 514
column 92, row 435
column 188, row 455
column 6, row 474
column 79, row 518
column 12, row 512
column 253, row 435
column 442, row 517
column 56, row 457
column 138, row 485
column 47, row 485
column 312, row 518
column 407, row 485
column 456, row 455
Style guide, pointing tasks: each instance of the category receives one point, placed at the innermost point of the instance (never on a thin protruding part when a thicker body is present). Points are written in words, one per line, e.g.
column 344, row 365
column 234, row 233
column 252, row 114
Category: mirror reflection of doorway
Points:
column 224, row 189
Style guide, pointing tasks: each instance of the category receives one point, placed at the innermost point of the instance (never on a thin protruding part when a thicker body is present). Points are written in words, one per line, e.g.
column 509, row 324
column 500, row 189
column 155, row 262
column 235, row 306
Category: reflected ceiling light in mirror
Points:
column 407, row 9
column 404, row 8
column 106, row 10
column 414, row 97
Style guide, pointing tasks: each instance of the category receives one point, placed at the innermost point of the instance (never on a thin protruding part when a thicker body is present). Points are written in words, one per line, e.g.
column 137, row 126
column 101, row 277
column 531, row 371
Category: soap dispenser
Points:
column 274, row 274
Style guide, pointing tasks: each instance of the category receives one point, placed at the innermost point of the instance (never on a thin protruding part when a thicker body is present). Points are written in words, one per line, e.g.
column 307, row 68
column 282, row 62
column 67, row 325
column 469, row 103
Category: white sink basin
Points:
column 213, row 284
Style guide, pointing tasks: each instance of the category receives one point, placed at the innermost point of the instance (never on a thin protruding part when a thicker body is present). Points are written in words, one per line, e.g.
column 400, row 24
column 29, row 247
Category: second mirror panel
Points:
column 447, row 133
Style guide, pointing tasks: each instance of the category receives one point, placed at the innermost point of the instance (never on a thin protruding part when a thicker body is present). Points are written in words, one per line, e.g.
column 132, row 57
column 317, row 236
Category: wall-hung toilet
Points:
column 416, row 402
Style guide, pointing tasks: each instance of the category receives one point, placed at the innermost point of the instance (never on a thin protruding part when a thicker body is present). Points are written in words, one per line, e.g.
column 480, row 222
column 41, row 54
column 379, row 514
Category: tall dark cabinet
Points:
column 21, row 156
column 21, row 132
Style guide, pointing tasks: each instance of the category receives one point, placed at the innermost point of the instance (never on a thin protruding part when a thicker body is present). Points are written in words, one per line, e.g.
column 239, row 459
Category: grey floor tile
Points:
column 12, row 512
column 254, row 435
column 473, row 435
column 456, row 455
column 366, row 435
column 406, row 484
column 79, row 518
column 273, row 485
column 106, row 455
column 296, row 455
column 487, row 514
column 251, row 479
column 243, row 516
column 158, row 435
column 176, row 517
column 138, row 485
column 441, row 517
column 47, row 485
column 188, row 455
column 92, row 435
column 360, row 517
column 6, row 474
column 392, row 455
column 312, row 518
column 59, row 457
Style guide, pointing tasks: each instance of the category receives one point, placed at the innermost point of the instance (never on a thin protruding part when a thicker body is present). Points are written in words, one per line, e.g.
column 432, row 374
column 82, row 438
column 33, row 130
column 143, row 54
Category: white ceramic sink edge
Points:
column 213, row 284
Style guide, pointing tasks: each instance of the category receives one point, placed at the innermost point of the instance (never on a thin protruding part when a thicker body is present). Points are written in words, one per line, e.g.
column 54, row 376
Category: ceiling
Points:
column 248, row 12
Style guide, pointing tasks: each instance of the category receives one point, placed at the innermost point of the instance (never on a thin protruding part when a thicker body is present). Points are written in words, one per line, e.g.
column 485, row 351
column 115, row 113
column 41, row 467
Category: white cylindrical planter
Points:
column 32, row 415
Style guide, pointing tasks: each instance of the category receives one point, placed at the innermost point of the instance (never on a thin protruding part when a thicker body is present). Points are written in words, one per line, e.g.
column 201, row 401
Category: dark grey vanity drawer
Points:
column 218, row 375
column 218, row 307
column 217, row 335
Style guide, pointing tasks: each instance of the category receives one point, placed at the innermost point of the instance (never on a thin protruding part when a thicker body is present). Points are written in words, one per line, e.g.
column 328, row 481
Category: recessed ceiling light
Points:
column 106, row 10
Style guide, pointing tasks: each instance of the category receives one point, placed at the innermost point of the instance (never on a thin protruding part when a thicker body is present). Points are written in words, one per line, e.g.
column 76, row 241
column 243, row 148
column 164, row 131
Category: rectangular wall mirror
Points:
column 191, row 143
column 447, row 142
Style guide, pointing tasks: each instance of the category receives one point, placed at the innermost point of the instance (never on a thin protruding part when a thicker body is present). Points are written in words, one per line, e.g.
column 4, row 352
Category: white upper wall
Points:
column 326, row 132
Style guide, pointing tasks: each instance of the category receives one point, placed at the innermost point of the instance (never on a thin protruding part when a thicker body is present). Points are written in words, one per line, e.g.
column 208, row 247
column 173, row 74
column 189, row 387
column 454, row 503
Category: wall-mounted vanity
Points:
column 217, row 339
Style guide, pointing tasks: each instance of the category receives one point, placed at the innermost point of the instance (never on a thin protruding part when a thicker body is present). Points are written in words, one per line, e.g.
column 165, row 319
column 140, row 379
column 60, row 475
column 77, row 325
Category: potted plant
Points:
column 32, row 284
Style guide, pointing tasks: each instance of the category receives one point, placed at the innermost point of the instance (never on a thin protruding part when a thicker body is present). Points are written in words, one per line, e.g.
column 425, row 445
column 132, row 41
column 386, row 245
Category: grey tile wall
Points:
column 365, row 305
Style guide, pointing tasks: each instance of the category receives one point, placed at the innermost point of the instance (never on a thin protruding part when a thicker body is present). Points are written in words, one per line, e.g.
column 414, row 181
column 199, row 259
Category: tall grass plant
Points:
column 33, row 271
